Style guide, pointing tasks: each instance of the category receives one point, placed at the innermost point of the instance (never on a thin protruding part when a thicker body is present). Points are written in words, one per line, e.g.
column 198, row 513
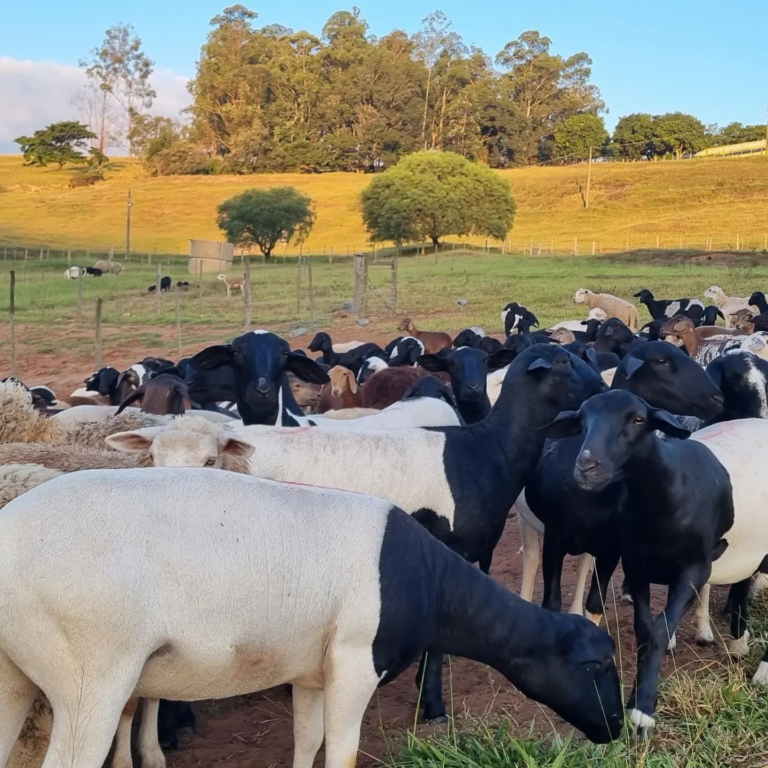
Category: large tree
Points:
column 265, row 217
column 59, row 143
column 574, row 137
column 633, row 137
column 736, row 133
column 679, row 134
column 429, row 195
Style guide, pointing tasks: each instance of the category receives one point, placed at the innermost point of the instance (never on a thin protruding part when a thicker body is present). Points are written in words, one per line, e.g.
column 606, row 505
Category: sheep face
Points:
column 714, row 292
column 342, row 381
column 580, row 297
column 616, row 425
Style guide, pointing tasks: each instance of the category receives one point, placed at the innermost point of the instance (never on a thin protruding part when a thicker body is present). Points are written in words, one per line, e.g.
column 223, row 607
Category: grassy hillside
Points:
column 631, row 205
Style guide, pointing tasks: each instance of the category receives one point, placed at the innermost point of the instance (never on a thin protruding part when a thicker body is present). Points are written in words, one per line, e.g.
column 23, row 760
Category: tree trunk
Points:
column 267, row 253
column 435, row 240
column 426, row 103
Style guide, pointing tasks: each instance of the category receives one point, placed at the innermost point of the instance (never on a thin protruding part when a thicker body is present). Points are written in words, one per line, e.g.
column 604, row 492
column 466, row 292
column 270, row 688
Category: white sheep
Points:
column 72, row 273
column 728, row 305
column 578, row 325
column 757, row 343
column 20, row 477
column 613, row 306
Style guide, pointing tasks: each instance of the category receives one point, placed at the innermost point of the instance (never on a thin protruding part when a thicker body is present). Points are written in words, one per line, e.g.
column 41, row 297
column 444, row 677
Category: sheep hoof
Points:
column 595, row 618
column 439, row 720
column 672, row 644
column 642, row 724
column 761, row 676
column 186, row 731
column 705, row 637
column 739, row 648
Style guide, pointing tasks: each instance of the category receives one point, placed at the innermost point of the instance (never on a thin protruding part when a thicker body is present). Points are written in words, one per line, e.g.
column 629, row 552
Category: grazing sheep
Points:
column 232, row 283
column 165, row 285
column 21, row 423
column 433, row 341
column 613, row 306
column 727, row 304
column 371, row 591
column 92, row 272
column 514, row 316
column 110, row 267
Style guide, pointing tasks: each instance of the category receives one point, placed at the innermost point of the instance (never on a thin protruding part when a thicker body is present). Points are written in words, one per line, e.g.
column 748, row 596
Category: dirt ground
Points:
column 257, row 729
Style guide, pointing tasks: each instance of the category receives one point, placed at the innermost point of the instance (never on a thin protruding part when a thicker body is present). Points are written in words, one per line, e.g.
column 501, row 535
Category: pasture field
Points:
column 710, row 715
column 632, row 205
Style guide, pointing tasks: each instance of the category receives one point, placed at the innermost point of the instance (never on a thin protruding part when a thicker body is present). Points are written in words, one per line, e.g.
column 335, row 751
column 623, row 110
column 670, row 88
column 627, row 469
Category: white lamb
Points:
column 578, row 325
column 728, row 305
column 613, row 306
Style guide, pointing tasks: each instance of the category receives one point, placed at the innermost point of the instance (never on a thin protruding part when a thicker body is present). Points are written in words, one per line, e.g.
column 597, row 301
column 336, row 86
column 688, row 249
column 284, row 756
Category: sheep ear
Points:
column 211, row 358
column 539, row 364
column 130, row 442
column 720, row 314
column 567, row 424
column 351, row 381
column 632, row 366
column 609, row 331
column 431, row 363
column 666, row 423
column 306, row 369
column 234, row 447
column 501, row 358
column 592, row 357
column 137, row 394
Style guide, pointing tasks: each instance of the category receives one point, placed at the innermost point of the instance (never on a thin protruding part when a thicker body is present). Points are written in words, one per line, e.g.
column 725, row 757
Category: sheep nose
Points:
column 587, row 465
column 473, row 387
column 718, row 399
column 263, row 387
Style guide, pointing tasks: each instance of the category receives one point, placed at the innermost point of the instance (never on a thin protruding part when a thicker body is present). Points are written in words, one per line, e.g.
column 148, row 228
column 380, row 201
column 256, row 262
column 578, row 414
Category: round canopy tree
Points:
column 264, row 217
column 429, row 195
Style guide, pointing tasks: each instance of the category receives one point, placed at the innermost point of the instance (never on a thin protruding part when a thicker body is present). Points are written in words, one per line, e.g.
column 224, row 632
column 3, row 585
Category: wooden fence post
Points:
column 360, row 284
column 393, row 285
column 12, row 318
column 247, row 297
column 79, row 293
column 311, row 293
column 98, row 334
column 158, row 278
column 200, row 278
column 178, row 319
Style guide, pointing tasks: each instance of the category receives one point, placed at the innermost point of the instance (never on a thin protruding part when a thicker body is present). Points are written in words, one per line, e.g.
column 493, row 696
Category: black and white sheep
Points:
column 661, row 308
column 514, row 316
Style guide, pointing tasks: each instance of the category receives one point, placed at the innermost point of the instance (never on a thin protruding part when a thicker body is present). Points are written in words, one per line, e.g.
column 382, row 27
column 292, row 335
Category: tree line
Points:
column 268, row 99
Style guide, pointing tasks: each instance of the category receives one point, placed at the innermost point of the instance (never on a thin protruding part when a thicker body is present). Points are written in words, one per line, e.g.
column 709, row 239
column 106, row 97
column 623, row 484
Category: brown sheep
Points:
column 164, row 395
column 703, row 344
column 388, row 386
column 433, row 341
column 307, row 395
column 342, row 392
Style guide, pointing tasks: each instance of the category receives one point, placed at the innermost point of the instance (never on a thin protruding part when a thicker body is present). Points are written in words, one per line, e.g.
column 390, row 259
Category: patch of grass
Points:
column 631, row 204
column 710, row 718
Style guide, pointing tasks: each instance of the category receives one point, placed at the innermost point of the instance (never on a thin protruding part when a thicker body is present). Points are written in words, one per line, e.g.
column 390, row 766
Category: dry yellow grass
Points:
column 631, row 205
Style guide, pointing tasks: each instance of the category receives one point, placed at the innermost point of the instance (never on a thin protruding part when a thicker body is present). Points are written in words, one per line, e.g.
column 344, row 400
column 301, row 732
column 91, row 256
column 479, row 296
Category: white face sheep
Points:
column 613, row 306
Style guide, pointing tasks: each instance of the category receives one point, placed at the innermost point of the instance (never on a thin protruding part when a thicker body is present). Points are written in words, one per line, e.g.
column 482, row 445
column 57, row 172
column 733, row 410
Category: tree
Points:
column 429, row 195
column 679, row 134
column 633, row 136
column 119, row 70
column 736, row 133
column 58, row 143
column 575, row 135
column 264, row 217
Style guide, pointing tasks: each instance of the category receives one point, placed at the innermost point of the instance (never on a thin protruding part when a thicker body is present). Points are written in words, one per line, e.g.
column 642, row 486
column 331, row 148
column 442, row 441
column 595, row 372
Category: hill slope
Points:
column 631, row 204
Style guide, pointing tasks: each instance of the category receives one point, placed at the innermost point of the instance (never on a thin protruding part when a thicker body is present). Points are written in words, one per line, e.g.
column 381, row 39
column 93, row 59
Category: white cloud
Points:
column 37, row 93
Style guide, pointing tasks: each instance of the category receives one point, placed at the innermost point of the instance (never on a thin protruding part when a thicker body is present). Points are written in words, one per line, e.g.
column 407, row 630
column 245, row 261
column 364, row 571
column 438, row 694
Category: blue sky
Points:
column 707, row 58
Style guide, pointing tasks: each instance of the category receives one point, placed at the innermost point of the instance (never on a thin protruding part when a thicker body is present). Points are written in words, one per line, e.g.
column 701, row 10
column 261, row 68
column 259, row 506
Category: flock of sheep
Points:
column 359, row 489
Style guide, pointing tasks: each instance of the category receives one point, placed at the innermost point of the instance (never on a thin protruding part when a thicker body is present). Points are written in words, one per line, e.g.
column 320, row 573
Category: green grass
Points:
column 709, row 718
column 631, row 205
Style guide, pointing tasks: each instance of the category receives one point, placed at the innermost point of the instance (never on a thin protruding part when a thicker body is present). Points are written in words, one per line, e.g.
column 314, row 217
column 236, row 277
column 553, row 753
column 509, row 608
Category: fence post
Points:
column 69, row 259
column 247, row 297
column 360, row 284
column 738, row 242
column 393, row 286
column 41, row 254
column 593, row 247
column 12, row 318
column 98, row 334
column 200, row 278
column 79, row 293
column 311, row 293
column 158, row 278
column 298, row 288
column 657, row 242
column 178, row 318
column 575, row 246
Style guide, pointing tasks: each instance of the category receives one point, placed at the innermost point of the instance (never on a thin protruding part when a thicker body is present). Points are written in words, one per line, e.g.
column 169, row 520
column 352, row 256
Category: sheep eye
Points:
column 639, row 420
column 210, row 463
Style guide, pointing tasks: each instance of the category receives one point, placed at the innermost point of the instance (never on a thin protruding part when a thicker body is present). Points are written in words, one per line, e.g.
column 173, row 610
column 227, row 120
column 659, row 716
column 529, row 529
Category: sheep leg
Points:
column 308, row 730
column 530, row 557
column 149, row 742
column 122, row 757
column 704, row 634
column 582, row 571
column 605, row 565
column 761, row 676
column 350, row 683
column 654, row 635
column 485, row 561
column 429, row 680
column 552, row 567
column 738, row 647
column 17, row 694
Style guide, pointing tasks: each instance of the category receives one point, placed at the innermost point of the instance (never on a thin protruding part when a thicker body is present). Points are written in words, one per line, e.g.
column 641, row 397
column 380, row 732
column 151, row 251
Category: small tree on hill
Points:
column 58, row 143
column 429, row 195
column 574, row 136
column 264, row 217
